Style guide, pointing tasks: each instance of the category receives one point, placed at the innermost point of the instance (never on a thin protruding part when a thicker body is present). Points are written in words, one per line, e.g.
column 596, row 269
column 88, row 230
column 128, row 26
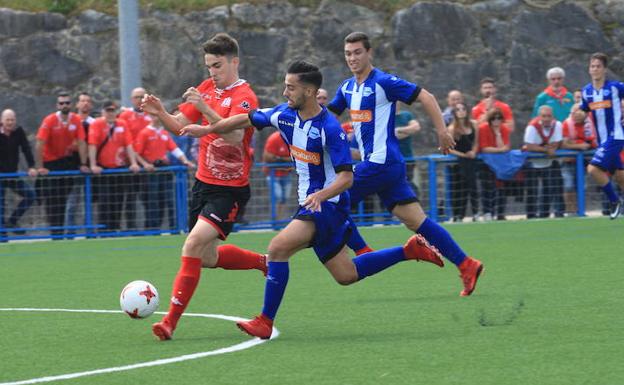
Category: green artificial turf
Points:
column 548, row 310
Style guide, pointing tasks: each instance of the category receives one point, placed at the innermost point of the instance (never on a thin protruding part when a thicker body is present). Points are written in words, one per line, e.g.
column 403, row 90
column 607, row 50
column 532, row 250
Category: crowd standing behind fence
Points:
column 63, row 197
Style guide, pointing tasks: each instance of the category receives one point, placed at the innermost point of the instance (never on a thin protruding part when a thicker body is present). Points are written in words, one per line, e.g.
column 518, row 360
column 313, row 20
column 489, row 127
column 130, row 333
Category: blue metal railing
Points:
column 181, row 186
column 88, row 228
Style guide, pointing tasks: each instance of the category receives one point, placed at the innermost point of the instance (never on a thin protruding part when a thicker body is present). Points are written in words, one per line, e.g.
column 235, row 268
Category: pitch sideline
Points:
column 230, row 349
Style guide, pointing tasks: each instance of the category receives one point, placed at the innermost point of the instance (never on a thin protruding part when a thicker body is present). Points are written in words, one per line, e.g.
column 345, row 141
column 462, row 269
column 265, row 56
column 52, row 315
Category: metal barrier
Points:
column 120, row 203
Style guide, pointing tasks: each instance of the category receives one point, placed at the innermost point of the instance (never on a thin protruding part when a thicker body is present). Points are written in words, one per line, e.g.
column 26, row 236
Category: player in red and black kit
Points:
column 222, row 185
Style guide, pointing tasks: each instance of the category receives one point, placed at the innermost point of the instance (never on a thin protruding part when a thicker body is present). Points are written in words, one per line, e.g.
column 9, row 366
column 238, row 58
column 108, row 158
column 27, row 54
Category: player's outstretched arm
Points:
column 173, row 123
column 431, row 106
column 223, row 126
column 343, row 181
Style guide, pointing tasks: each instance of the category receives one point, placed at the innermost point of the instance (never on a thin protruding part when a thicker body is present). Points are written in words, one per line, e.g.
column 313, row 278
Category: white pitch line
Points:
column 164, row 361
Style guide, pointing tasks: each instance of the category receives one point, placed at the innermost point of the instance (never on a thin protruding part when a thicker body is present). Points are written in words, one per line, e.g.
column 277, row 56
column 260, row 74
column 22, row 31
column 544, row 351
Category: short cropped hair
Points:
column 487, row 80
column 221, row 44
column 307, row 73
column 354, row 37
column 63, row 94
column 555, row 71
column 600, row 56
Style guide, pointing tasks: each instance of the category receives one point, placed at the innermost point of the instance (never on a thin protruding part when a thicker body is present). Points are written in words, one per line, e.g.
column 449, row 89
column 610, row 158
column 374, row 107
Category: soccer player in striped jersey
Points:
column 603, row 99
column 320, row 151
column 371, row 96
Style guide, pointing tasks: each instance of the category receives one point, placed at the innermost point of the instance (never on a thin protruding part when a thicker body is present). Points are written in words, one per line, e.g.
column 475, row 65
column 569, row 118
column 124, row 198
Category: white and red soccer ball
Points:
column 139, row 299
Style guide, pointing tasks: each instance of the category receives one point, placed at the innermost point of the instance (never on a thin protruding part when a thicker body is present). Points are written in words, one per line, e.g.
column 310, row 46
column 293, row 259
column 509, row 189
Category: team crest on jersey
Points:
column 314, row 133
column 72, row 127
column 606, row 93
column 368, row 92
column 226, row 102
column 245, row 105
column 343, row 136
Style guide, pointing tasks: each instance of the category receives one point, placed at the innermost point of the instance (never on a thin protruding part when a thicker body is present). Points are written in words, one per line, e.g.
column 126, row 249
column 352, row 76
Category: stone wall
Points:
column 440, row 45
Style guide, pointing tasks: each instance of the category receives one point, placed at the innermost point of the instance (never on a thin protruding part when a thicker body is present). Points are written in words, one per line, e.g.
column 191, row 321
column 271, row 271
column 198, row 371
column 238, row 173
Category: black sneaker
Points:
column 616, row 208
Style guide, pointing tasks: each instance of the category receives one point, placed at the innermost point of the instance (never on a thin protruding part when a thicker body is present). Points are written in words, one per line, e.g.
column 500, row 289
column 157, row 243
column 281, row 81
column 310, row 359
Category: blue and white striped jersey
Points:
column 605, row 106
column 372, row 106
column 318, row 146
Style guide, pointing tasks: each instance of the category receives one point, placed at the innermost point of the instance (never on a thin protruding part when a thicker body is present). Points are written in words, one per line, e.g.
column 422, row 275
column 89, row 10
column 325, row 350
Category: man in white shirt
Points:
column 544, row 134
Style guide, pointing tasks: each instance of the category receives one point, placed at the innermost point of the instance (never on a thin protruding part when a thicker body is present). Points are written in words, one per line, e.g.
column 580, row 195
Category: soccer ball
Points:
column 139, row 299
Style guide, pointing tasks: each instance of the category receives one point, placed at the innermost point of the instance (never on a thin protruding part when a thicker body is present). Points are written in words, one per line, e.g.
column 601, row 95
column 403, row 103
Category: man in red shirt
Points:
column 279, row 179
column 59, row 136
column 136, row 120
column 152, row 145
column 489, row 101
column 110, row 146
column 222, row 185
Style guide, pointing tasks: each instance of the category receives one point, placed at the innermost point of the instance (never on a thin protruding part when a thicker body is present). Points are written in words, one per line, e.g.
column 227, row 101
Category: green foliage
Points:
column 62, row 6
column 546, row 311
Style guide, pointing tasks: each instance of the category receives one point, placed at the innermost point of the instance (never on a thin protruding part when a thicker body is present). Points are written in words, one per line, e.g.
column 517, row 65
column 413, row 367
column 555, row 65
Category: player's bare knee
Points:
column 278, row 252
column 193, row 245
column 347, row 279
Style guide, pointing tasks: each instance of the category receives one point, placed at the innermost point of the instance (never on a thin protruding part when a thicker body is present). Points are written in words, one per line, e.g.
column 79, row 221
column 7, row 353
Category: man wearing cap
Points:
column 110, row 147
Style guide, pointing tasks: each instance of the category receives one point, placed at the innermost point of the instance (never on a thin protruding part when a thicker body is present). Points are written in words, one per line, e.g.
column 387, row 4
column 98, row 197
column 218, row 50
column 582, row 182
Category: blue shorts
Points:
column 607, row 156
column 389, row 182
column 333, row 229
column 282, row 187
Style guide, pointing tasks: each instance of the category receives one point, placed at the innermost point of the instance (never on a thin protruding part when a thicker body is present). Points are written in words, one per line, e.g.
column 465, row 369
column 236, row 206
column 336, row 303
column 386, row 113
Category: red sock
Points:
column 232, row 257
column 183, row 288
column 365, row 249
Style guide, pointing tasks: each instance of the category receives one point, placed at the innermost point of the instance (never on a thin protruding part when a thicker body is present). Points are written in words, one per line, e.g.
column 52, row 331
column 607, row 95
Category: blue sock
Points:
column 610, row 191
column 440, row 238
column 276, row 280
column 372, row 263
column 355, row 241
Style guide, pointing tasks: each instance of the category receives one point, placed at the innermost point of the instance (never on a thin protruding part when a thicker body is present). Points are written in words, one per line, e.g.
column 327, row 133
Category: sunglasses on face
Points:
column 497, row 118
column 64, row 103
column 110, row 109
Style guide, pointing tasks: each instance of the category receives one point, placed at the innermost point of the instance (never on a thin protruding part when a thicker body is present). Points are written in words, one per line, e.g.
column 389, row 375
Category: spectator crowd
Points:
column 135, row 143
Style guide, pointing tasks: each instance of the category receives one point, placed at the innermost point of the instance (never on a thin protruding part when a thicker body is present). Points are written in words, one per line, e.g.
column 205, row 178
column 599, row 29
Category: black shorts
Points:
column 217, row 205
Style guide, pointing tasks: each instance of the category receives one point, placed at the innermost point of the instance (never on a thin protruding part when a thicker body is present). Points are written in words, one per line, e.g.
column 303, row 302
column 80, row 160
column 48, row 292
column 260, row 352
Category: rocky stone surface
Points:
column 440, row 45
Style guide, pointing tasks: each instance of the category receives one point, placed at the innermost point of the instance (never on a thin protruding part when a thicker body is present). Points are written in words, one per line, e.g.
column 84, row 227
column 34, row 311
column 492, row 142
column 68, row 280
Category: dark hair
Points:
column 85, row 93
column 109, row 104
column 494, row 112
column 63, row 94
column 487, row 80
column 461, row 122
column 308, row 73
column 354, row 37
column 600, row 56
column 221, row 44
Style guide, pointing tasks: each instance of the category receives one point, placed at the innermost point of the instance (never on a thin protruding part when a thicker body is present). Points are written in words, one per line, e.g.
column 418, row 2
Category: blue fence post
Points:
column 580, row 184
column 433, row 193
column 184, row 196
column 3, row 235
column 448, row 188
column 181, row 199
column 88, row 207
column 272, row 197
